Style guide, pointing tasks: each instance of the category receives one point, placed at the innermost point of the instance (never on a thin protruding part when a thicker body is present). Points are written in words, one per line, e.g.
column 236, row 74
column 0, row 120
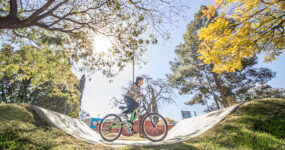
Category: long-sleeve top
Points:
column 133, row 92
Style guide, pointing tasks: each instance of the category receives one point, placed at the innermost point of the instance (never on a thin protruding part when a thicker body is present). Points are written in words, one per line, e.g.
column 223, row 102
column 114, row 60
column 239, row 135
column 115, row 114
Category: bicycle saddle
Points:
column 122, row 107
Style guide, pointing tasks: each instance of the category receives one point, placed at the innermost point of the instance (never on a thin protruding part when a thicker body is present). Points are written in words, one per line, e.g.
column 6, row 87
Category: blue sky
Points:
column 99, row 91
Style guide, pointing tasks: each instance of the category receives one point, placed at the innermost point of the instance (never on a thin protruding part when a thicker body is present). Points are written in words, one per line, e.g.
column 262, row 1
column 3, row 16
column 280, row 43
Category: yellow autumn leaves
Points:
column 244, row 28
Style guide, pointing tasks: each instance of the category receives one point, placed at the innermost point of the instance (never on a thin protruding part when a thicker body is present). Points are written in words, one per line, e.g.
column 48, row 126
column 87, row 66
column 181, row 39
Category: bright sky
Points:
column 99, row 91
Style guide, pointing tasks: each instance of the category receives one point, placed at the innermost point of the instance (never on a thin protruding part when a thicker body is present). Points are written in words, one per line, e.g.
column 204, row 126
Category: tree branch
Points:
column 43, row 8
column 13, row 9
column 54, row 29
column 49, row 12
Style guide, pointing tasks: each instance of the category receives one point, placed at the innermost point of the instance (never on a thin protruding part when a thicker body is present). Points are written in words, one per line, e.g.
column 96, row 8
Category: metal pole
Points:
column 133, row 65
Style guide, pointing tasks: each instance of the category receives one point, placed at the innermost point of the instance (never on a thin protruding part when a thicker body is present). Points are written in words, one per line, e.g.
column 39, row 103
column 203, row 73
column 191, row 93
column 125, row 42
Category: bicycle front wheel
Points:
column 154, row 127
column 110, row 127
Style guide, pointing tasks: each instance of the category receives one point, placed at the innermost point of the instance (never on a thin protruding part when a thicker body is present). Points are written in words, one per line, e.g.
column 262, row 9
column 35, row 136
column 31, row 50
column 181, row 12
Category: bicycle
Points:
column 154, row 126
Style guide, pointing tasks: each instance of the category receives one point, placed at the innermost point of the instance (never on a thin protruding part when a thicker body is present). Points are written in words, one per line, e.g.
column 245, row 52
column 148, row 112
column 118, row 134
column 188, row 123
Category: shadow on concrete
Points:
column 177, row 146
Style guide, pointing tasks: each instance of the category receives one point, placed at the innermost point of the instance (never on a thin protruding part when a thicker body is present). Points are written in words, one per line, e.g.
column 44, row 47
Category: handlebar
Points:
column 117, row 101
column 143, row 100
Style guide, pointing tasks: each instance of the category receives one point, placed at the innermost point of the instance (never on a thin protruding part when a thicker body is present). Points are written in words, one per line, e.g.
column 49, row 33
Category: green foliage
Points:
column 38, row 76
column 75, row 25
column 265, row 91
column 191, row 76
column 186, row 68
column 4, row 7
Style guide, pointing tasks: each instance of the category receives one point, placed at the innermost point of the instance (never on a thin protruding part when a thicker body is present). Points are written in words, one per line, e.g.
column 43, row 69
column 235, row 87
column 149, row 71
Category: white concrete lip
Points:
column 183, row 130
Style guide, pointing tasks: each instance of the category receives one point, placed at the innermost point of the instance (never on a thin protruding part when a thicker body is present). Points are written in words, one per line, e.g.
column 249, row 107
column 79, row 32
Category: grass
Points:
column 258, row 124
column 21, row 128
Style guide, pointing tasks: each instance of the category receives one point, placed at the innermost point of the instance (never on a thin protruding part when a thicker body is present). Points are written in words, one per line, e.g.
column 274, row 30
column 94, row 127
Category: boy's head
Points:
column 139, row 81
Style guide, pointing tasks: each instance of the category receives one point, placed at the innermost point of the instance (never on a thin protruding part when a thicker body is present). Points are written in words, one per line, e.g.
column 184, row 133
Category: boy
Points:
column 132, row 97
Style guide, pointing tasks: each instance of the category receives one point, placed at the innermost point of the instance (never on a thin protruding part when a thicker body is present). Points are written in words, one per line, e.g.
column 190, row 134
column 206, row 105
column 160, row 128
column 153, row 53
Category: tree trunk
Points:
column 3, row 94
column 224, row 101
column 81, row 89
column 216, row 99
column 23, row 95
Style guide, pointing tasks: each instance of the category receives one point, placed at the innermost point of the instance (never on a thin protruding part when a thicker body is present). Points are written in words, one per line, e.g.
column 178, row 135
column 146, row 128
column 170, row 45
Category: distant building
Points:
column 95, row 122
column 92, row 122
column 186, row 114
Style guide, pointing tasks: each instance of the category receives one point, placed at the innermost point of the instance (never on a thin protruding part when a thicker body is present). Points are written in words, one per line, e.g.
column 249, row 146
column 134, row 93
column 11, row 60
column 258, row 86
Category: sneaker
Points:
column 133, row 131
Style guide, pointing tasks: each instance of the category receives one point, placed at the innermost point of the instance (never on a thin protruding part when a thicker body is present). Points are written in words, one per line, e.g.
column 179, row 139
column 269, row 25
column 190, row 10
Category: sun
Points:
column 101, row 43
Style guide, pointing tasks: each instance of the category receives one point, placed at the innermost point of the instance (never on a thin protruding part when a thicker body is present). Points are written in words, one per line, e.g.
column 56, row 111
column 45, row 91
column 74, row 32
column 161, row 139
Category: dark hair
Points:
column 137, row 80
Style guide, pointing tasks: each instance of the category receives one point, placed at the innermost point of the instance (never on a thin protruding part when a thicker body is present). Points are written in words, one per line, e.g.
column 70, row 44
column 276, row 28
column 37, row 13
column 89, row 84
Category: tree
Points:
column 38, row 76
column 83, row 115
column 211, row 108
column 74, row 24
column 158, row 92
column 265, row 91
column 68, row 27
column 191, row 76
column 244, row 29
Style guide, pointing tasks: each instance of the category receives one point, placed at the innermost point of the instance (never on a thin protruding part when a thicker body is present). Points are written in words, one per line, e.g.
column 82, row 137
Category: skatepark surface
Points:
column 183, row 130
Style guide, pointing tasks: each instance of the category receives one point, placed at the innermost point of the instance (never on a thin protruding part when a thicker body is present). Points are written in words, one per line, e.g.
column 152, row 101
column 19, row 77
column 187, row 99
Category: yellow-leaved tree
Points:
column 244, row 29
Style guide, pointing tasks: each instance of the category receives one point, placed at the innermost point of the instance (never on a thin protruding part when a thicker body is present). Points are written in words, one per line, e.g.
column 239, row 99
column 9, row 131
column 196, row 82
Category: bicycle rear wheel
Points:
column 110, row 127
column 154, row 127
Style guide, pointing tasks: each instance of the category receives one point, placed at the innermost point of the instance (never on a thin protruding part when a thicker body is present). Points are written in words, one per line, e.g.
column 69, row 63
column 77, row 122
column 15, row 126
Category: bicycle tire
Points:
column 101, row 124
column 144, row 131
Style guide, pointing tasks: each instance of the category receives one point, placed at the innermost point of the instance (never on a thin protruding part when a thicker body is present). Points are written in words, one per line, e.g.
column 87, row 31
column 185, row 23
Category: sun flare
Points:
column 101, row 43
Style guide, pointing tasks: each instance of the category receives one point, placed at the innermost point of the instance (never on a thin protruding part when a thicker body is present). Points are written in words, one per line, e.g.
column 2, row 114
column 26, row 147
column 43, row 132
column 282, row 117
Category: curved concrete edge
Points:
column 69, row 125
column 192, row 127
column 183, row 130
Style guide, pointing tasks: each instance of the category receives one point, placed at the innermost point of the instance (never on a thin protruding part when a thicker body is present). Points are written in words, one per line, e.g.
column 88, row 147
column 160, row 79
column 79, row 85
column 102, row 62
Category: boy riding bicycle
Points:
column 132, row 96
column 152, row 125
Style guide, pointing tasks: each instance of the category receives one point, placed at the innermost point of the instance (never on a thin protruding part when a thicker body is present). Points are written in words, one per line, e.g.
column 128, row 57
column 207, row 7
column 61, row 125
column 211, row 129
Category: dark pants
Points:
column 131, row 104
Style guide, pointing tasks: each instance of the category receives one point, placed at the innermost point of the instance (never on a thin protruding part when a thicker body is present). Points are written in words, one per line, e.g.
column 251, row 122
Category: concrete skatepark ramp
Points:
column 184, row 130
